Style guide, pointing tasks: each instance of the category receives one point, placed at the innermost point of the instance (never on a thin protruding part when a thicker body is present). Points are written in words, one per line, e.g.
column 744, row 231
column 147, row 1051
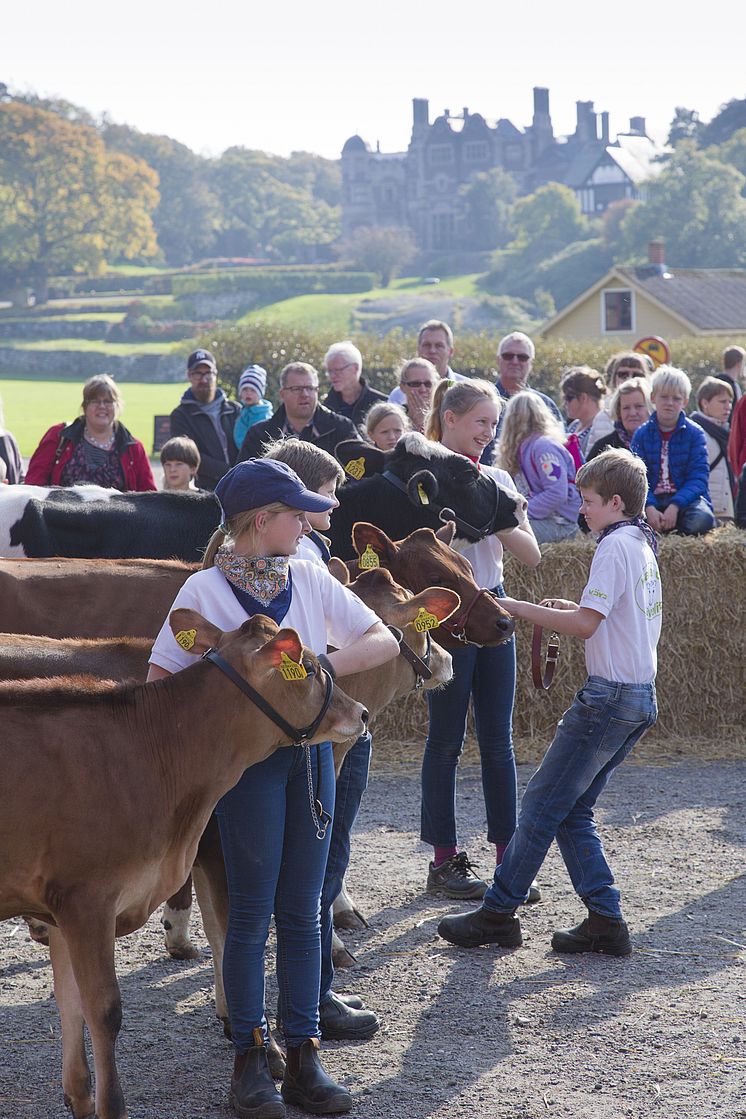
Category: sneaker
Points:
column 482, row 926
column 607, row 935
column 455, row 878
column 534, row 894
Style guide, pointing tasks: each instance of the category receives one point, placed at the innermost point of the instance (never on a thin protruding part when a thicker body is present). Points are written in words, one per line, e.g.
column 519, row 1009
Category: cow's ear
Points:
column 435, row 600
column 286, row 643
column 447, row 532
column 365, row 535
column 359, row 460
column 193, row 632
column 339, row 570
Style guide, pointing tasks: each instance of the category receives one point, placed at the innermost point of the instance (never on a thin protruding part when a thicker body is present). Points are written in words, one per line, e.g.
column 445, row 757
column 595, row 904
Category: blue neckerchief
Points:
column 638, row 522
column 276, row 609
column 321, row 544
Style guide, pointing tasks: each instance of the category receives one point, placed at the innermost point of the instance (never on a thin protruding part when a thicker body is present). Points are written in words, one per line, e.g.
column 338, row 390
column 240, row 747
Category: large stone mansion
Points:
column 421, row 187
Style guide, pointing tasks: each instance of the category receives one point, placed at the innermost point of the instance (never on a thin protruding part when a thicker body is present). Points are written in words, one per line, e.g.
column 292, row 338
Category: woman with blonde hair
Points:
column 274, row 832
column 583, row 390
column 532, row 450
column 630, row 406
column 464, row 419
column 95, row 448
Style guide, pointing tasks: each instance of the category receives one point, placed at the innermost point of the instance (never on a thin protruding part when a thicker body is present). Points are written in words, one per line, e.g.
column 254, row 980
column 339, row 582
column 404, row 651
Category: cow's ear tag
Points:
column 291, row 670
column 187, row 639
column 424, row 499
column 369, row 559
column 356, row 468
column 425, row 621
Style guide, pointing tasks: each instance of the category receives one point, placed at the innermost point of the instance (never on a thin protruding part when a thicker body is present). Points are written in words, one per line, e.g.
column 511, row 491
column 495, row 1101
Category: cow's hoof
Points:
column 38, row 931
column 341, row 957
column 183, row 951
column 350, row 919
column 275, row 1058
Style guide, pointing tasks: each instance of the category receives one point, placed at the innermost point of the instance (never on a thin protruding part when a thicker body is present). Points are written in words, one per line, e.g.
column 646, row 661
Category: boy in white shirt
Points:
column 619, row 618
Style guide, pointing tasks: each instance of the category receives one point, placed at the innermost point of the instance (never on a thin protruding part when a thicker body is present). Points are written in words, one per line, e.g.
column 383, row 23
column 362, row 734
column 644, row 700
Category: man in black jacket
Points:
column 300, row 416
column 208, row 417
column 350, row 396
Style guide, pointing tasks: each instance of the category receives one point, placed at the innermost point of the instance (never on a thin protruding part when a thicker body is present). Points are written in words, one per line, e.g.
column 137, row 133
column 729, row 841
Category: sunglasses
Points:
column 508, row 355
column 417, row 384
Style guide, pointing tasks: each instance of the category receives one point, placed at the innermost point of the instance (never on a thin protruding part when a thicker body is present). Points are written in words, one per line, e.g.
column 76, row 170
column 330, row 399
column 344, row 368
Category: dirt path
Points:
column 484, row 1034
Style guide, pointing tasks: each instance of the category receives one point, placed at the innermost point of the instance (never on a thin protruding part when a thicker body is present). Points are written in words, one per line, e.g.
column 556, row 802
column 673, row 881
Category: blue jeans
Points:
column 603, row 724
column 693, row 520
column 488, row 676
column 351, row 784
column 275, row 863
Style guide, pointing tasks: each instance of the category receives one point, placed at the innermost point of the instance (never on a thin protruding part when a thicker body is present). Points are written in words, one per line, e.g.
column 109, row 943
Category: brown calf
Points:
column 129, row 779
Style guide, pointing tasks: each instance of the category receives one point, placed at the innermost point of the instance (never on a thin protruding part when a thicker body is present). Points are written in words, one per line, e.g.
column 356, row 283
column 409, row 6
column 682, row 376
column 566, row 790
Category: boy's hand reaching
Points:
column 559, row 604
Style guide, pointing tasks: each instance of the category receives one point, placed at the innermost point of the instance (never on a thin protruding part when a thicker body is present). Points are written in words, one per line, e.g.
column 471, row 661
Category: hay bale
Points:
column 701, row 655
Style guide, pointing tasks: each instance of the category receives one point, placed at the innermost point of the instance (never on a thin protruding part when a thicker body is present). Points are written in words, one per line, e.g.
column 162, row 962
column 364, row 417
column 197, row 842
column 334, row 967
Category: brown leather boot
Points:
column 253, row 1094
column 307, row 1085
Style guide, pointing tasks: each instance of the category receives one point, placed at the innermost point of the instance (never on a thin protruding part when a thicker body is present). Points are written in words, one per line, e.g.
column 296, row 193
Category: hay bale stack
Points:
column 701, row 657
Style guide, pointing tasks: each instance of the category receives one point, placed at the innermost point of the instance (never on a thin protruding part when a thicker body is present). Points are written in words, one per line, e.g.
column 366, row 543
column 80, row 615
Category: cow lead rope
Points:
column 320, row 818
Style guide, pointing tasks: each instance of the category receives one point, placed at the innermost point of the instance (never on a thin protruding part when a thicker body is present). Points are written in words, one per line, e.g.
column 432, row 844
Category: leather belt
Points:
column 543, row 674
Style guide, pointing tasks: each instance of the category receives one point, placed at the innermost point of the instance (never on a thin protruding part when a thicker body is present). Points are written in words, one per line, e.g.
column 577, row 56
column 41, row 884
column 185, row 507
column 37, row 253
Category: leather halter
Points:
column 542, row 675
column 299, row 736
column 420, row 665
column 456, row 626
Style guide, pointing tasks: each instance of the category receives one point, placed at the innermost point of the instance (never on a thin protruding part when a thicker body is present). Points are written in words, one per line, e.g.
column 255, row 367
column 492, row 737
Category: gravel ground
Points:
column 484, row 1034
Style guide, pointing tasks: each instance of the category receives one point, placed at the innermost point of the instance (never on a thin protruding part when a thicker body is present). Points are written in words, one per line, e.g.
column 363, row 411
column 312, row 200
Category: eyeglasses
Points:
column 341, row 368
column 102, row 400
column 297, row 389
column 508, row 355
column 203, row 375
column 417, row 384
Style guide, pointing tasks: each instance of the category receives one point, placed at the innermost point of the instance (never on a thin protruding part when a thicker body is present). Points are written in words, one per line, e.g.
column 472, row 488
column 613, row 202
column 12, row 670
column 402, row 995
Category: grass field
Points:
column 32, row 406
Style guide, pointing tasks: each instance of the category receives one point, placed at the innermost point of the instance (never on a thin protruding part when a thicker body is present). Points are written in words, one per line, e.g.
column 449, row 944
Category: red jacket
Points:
column 56, row 449
column 737, row 437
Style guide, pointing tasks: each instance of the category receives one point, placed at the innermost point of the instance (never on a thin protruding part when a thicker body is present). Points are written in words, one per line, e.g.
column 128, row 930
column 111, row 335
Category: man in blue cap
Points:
column 208, row 417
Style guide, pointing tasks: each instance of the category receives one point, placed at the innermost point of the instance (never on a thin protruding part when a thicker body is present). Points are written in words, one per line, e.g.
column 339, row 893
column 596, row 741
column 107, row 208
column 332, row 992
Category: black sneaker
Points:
column 455, row 878
column 595, row 934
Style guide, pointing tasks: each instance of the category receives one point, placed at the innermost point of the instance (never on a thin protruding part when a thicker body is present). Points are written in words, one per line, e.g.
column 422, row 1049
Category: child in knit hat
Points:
column 251, row 388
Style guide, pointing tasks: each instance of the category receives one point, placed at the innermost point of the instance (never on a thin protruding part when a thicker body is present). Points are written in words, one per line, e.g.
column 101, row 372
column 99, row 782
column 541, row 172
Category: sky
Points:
column 288, row 77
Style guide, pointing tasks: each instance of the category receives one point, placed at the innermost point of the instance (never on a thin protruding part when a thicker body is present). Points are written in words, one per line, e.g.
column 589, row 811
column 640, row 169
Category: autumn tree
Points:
column 383, row 249
column 67, row 201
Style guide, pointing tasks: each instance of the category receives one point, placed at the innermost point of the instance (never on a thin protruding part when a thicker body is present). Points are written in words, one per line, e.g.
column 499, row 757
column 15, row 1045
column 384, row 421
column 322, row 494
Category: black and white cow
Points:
column 409, row 487
column 89, row 522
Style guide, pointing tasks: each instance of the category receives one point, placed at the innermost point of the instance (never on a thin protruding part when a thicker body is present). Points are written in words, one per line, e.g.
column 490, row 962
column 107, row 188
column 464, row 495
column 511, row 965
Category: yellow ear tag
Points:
column 356, row 468
column 187, row 638
column 425, row 621
column 368, row 559
column 424, row 499
column 291, row 670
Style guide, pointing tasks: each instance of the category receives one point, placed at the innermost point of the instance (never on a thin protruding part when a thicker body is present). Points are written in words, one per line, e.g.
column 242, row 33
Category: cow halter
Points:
column 456, row 626
column 298, row 736
column 420, row 665
column 471, row 532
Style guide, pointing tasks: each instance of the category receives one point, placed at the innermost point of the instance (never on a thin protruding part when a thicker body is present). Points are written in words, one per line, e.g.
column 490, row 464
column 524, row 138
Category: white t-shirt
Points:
column 486, row 556
column 322, row 611
column 307, row 550
column 624, row 585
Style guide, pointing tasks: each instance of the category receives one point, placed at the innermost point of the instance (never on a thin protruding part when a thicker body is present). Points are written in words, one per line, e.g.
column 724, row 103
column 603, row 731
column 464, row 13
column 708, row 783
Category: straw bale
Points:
column 701, row 681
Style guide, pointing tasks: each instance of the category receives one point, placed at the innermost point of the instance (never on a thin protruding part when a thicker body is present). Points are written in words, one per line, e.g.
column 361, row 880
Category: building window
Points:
column 513, row 155
column 617, row 311
column 441, row 154
column 475, row 151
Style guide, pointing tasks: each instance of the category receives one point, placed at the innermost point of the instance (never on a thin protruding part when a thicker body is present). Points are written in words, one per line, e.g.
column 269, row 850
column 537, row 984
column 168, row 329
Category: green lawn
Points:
column 120, row 349
column 334, row 313
column 32, row 406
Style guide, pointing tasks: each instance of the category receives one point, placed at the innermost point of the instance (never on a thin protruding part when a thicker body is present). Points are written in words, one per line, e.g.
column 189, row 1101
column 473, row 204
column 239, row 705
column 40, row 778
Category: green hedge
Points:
column 274, row 284
column 273, row 345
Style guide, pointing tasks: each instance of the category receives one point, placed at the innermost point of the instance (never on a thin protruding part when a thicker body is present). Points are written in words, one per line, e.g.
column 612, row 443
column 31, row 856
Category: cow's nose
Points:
column 506, row 626
column 364, row 715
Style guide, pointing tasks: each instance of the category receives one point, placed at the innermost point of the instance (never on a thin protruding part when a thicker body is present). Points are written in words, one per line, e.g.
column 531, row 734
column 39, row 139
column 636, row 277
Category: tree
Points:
column 547, row 221
column 733, row 152
column 685, row 125
column 696, row 206
column 383, row 249
column 488, row 199
column 730, row 119
column 68, row 202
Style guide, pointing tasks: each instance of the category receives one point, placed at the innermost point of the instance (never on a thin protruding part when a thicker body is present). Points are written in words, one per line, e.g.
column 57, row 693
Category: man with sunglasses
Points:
column 300, row 416
column 515, row 357
column 206, row 415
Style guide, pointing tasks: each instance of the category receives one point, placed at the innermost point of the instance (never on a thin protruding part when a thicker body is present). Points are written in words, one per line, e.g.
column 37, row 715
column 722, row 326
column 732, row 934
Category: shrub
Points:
column 273, row 284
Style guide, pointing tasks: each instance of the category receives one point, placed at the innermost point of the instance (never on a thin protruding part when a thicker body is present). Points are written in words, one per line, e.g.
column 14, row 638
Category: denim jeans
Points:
column 488, row 676
column 351, row 784
column 693, row 520
column 547, row 530
column 593, row 737
column 275, row 863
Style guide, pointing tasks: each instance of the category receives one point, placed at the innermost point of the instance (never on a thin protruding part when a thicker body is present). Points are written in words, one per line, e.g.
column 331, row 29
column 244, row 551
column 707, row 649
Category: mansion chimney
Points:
column 637, row 126
column 420, row 114
column 586, row 129
column 605, row 127
column 541, row 126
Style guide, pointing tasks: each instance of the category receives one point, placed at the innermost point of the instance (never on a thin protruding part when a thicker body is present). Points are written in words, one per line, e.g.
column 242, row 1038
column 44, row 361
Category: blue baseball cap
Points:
column 260, row 481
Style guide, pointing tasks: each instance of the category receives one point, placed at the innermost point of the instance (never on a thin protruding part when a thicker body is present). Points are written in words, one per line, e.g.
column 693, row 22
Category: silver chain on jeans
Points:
column 315, row 804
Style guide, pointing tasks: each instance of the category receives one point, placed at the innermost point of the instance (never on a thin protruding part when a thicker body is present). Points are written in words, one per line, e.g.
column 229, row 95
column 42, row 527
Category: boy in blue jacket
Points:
column 674, row 450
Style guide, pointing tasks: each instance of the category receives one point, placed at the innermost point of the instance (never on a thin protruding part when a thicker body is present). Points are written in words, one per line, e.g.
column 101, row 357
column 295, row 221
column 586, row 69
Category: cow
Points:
column 72, row 521
column 88, row 598
column 25, row 657
column 414, row 486
column 130, row 777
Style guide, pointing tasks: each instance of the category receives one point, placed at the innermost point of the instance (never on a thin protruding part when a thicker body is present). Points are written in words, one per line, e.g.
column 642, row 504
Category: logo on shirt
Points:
column 648, row 592
column 550, row 466
column 594, row 592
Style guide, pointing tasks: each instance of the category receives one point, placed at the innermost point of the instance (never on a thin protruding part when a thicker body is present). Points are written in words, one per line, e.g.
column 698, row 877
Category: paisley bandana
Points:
column 263, row 577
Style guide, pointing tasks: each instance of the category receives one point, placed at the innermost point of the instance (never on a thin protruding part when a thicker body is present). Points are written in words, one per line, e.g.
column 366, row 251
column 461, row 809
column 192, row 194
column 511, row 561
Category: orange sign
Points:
column 655, row 348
